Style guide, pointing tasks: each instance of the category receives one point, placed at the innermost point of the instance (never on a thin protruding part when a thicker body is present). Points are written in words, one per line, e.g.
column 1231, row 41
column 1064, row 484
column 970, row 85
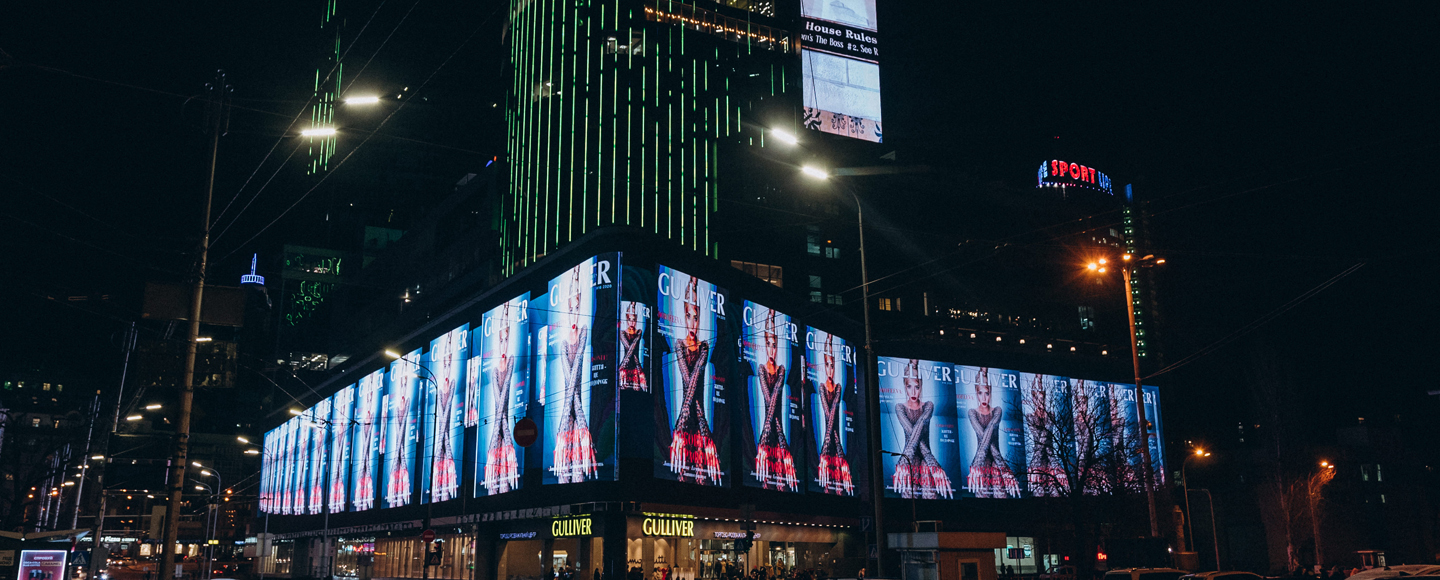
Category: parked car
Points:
column 1395, row 571
column 1223, row 575
column 1145, row 574
column 1065, row 572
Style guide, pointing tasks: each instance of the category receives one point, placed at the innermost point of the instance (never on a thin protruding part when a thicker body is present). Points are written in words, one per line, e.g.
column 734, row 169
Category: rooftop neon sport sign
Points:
column 1056, row 173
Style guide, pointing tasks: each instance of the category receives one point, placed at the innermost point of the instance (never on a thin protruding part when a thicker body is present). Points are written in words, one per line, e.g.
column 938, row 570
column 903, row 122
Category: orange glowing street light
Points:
column 1098, row 266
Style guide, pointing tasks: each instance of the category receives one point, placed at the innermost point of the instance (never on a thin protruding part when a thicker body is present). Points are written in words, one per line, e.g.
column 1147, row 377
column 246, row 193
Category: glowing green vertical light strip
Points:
column 585, row 152
column 547, row 123
column 531, row 136
column 614, row 130
column 574, row 59
column 600, row 127
column 644, row 80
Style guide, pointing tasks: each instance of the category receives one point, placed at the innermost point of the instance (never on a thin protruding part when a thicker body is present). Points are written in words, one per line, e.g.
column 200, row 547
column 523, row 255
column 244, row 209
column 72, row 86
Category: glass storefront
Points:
column 570, row 559
column 405, row 558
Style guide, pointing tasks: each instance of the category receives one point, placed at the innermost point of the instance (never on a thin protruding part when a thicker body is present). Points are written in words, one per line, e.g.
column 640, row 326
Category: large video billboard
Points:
column 575, row 370
column 833, row 399
column 499, row 388
column 341, row 410
column 1017, row 434
column 840, row 68
column 918, row 431
column 402, row 428
column 365, row 462
column 773, row 417
column 316, row 419
column 692, row 429
column 444, row 410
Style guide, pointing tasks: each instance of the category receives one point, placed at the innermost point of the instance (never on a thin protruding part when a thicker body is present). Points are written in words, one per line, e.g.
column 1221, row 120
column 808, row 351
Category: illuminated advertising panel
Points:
column 295, row 467
column 315, row 426
column 41, row 564
column 774, row 450
column 634, row 337
column 918, row 430
column 402, row 429
column 365, row 465
column 575, row 371
column 341, row 411
column 1057, row 173
column 1045, row 404
column 840, row 70
column 445, row 406
column 498, row 388
column 833, row 398
column 692, row 425
column 1091, row 413
column 992, row 437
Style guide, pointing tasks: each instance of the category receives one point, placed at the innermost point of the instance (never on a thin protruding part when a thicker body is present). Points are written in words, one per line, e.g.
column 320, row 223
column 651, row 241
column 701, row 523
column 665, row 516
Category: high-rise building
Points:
column 620, row 113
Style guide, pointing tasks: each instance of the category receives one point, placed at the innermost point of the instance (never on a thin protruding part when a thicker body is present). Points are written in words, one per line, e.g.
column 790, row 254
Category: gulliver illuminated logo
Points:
column 1056, row 173
column 666, row 527
column 570, row 527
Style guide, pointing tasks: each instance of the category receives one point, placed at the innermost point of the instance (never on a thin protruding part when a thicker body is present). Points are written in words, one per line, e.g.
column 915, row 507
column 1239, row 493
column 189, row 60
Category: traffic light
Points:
column 744, row 544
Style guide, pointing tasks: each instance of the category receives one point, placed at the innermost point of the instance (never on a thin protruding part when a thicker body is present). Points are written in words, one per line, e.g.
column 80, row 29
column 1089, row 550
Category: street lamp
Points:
column 212, row 519
column 1189, row 521
column 872, row 402
column 318, row 132
column 429, row 505
column 1130, row 263
column 365, row 100
column 784, row 136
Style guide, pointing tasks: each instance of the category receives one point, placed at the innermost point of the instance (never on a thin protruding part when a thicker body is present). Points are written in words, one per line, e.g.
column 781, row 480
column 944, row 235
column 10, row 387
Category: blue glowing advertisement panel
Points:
column 992, row 436
column 295, row 467
column 634, row 338
column 342, row 409
column 316, row 429
column 444, row 410
column 1045, row 403
column 365, row 463
column 772, row 421
column 692, row 419
column 1091, row 411
column 919, row 434
column 833, row 398
column 498, row 389
column 402, row 429
column 575, row 371
column 267, row 473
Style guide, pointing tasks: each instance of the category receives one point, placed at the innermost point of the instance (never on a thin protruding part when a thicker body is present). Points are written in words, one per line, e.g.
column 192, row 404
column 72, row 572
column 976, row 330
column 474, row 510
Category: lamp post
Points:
column 1189, row 521
column 429, row 505
column 212, row 517
column 1214, row 535
column 872, row 400
column 1128, row 263
column 1314, row 486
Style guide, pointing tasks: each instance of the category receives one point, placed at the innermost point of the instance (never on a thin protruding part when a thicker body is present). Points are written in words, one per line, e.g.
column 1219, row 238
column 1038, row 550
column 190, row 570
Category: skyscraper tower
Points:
column 620, row 111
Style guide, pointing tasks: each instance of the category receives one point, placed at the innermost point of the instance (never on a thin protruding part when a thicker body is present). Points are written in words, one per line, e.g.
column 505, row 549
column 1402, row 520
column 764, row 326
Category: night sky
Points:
column 1281, row 144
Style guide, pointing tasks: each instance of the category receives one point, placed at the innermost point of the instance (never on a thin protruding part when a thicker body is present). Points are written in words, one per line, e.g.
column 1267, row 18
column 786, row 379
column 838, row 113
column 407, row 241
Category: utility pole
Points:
column 99, row 524
column 216, row 117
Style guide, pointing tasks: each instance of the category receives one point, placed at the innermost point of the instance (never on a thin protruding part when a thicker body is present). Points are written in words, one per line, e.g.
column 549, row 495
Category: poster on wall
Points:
column 575, row 371
column 402, row 407
column 1089, row 407
column 316, row 425
column 444, row 407
column 634, row 338
column 918, row 430
column 1045, row 405
column 340, row 432
column 992, row 434
column 1124, row 434
column 834, row 398
column 498, row 389
column 365, row 465
column 692, row 420
column 774, row 452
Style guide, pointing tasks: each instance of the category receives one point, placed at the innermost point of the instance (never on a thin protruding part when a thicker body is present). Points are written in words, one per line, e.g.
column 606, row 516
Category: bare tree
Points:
column 1083, row 451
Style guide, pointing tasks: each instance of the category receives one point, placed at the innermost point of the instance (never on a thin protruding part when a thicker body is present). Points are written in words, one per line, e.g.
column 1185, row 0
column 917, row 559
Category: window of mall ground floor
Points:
column 405, row 557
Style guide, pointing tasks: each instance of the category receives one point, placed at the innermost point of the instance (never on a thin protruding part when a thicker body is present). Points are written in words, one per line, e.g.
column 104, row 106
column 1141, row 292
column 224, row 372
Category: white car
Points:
column 1395, row 571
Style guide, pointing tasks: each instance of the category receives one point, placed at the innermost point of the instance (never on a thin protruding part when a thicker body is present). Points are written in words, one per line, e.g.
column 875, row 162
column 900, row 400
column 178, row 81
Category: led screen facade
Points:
column 773, row 420
column 840, row 68
column 499, row 388
column 1007, row 434
column 365, row 445
column 341, row 431
column 575, row 371
column 402, row 429
column 692, row 429
column 690, row 359
column 444, row 409
column 833, row 397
